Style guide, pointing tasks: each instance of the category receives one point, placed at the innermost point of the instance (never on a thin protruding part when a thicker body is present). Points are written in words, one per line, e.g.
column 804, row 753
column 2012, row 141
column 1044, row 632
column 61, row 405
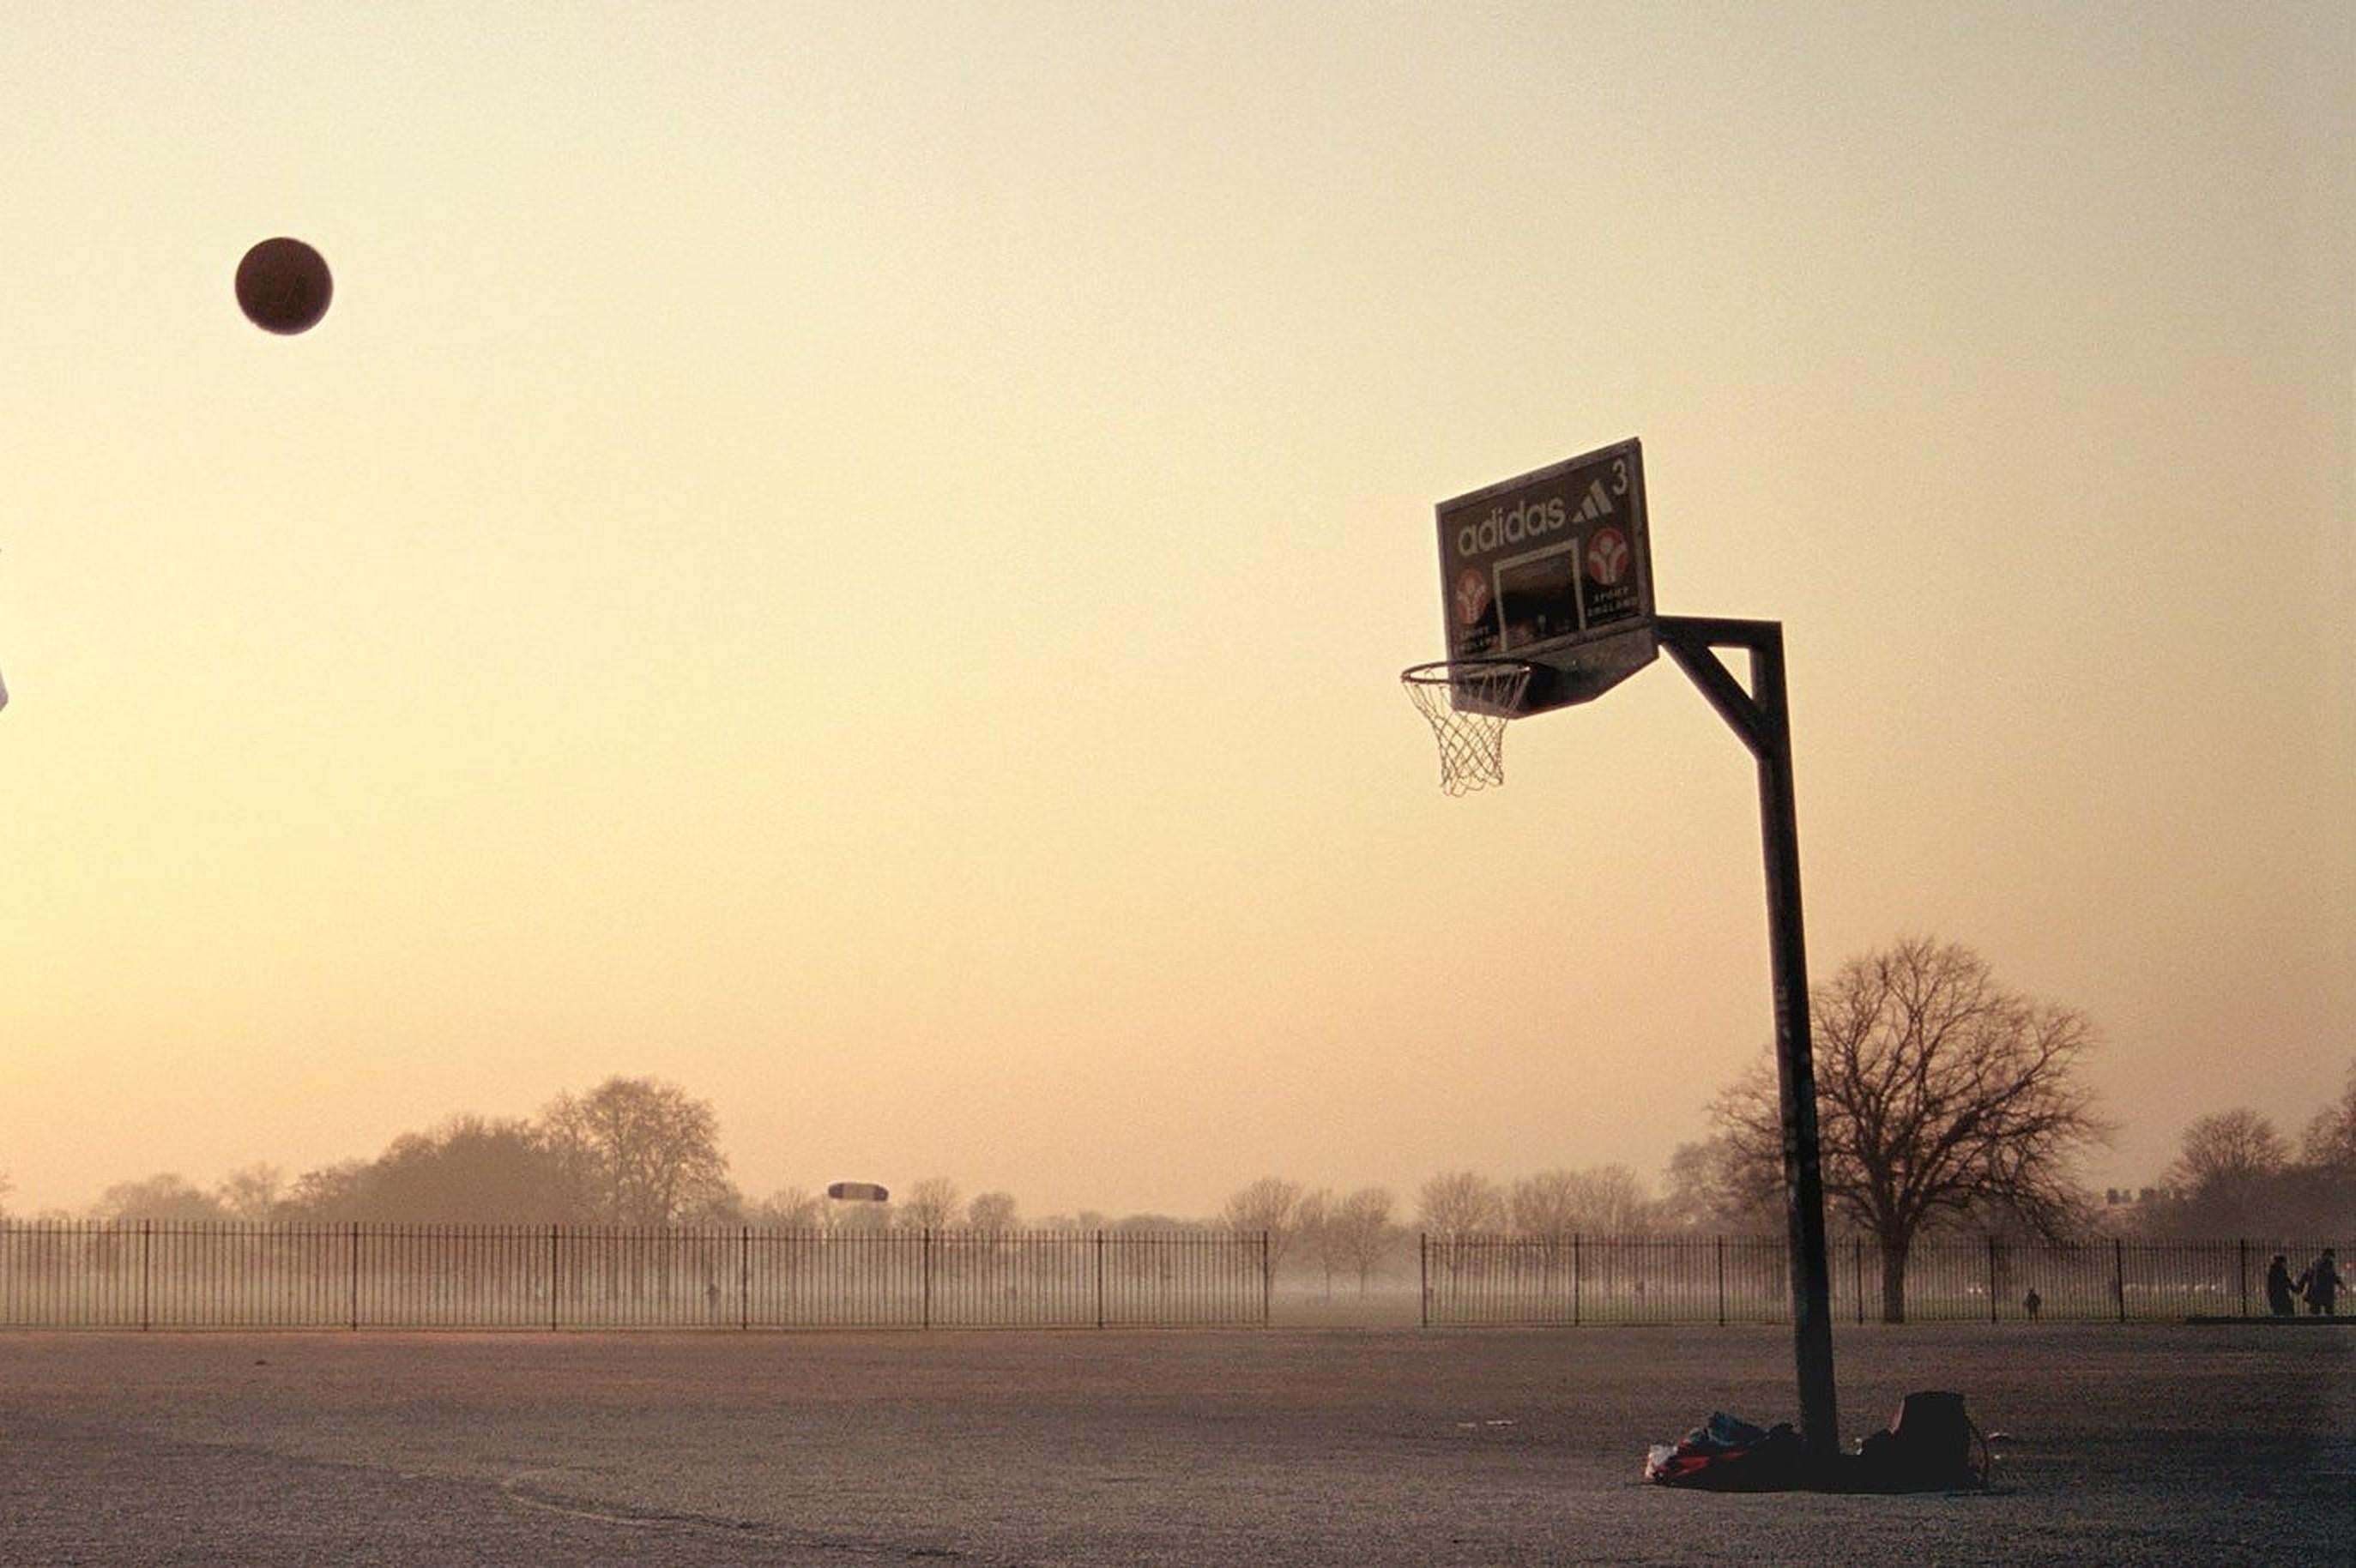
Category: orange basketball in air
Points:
column 283, row 286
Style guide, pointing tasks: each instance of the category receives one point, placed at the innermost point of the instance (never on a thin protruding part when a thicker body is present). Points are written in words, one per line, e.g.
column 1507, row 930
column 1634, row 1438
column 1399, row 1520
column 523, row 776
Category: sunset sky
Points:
column 854, row 558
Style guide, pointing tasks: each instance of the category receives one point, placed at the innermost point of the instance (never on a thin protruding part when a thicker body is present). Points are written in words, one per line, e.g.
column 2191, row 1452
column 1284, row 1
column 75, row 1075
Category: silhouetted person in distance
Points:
column 2032, row 1304
column 2278, row 1289
column 2322, row 1286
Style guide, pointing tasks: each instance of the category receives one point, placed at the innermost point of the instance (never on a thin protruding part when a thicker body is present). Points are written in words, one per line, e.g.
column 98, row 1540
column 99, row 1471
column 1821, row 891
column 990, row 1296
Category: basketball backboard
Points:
column 1555, row 567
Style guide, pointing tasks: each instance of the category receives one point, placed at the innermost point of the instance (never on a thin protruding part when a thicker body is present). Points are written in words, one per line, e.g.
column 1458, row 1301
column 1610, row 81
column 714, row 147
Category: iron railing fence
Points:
column 1538, row 1280
column 158, row 1275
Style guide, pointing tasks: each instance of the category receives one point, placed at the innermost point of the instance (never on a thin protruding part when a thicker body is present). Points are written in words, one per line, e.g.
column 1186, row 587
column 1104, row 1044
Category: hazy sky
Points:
column 854, row 558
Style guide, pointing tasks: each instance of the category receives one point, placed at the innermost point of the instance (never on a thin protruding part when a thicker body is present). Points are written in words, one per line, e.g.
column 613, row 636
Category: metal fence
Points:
column 154, row 1274
column 1523, row 1280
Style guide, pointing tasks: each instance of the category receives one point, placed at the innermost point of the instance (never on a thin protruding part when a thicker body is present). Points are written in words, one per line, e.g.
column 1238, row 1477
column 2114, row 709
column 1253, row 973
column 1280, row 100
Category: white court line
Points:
column 643, row 1518
column 632, row 1519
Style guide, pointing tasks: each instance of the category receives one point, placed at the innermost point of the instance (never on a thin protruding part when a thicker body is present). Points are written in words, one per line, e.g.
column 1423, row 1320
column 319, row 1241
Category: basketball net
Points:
column 1468, row 703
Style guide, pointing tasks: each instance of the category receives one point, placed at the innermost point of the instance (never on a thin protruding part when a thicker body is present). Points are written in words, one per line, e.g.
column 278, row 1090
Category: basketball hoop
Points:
column 1468, row 703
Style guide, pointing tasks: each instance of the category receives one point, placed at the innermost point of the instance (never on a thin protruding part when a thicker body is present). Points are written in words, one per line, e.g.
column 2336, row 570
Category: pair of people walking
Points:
column 2318, row 1286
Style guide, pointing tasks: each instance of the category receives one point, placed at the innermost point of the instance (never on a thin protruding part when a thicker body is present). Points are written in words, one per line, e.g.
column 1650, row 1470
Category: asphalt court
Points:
column 2126, row 1444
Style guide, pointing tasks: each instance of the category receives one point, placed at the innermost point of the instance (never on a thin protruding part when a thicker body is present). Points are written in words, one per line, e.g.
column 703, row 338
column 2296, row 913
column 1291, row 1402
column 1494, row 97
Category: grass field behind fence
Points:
column 359, row 1276
column 1746, row 1279
column 356, row 1276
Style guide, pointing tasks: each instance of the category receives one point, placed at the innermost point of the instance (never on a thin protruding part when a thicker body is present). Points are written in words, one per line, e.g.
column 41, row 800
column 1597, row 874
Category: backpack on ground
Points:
column 1930, row 1445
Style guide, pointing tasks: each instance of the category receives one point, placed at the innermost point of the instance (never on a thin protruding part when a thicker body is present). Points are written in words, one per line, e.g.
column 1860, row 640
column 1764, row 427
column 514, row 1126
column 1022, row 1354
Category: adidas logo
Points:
column 1597, row 505
column 1529, row 520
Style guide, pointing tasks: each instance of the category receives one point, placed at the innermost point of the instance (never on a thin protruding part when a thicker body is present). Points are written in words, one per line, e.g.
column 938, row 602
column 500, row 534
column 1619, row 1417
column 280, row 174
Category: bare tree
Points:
column 858, row 1216
column 1271, row 1205
column 1546, row 1210
column 637, row 1151
column 2225, row 1163
column 993, row 1211
column 2329, row 1142
column 1703, row 1192
column 162, row 1197
column 1613, row 1202
column 2319, row 1189
column 1153, row 1225
column 253, row 1193
column 1546, row 1204
column 1361, row 1228
column 329, row 1192
column 1312, row 1222
column 1607, row 1200
column 468, row 1169
column 1086, row 1222
column 1939, row 1093
column 932, row 1204
column 790, row 1209
column 1457, row 1203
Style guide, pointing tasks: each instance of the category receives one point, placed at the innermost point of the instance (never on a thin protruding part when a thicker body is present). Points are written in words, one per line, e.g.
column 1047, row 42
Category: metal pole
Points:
column 1423, row 1274
column 1267, row 1283
column 1761, row 717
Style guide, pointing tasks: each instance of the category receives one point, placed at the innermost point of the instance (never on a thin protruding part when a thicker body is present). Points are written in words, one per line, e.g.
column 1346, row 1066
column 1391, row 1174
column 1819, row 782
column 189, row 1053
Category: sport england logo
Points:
column 1471, row 597
column 1526, row 521
column 1607, row 557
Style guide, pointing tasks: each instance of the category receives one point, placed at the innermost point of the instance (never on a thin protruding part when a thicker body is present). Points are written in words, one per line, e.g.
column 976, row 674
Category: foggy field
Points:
column 2158, row 1445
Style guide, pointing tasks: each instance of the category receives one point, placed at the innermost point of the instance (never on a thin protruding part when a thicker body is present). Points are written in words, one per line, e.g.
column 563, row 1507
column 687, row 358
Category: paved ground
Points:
column 2146, row 1444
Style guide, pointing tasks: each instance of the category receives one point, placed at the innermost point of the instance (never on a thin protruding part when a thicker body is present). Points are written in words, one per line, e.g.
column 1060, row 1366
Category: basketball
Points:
column 283, row 287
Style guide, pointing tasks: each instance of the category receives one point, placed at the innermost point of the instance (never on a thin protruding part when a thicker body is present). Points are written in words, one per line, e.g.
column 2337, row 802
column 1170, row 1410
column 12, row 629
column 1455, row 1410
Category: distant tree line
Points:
column 2236, row 1174
column 632, row 1151
column 1945, row 1101
column 1947, row 1105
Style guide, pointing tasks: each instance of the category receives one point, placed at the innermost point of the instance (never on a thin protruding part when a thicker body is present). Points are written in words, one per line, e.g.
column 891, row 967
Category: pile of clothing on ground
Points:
column 1929, row 1445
